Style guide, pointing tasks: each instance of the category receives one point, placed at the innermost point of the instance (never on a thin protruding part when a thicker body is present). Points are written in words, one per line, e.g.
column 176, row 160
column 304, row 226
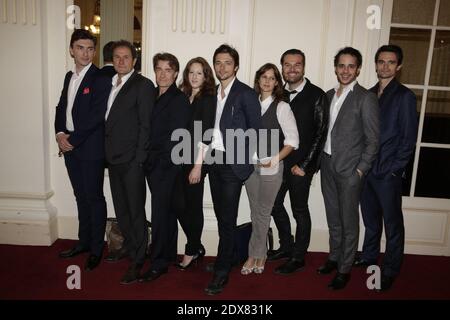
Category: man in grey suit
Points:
column 350, row 148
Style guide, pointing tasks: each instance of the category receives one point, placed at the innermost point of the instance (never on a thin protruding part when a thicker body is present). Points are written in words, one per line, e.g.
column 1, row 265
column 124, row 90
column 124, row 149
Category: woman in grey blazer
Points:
column 262, row 186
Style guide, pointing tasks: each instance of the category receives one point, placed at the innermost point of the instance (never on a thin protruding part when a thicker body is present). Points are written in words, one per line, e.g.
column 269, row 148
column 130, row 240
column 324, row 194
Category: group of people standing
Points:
column 116, row 116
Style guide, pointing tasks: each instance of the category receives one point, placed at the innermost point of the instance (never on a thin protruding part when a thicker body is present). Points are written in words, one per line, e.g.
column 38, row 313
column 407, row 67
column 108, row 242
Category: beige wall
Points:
column 260, row 29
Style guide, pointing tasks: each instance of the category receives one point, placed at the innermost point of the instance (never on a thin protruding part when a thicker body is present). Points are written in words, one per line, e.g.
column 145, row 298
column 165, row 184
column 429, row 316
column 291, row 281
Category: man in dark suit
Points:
column 127, row 132
column 171, row 112
column 237, row 111
column 350, row 149
column 310, row 108
column 381, row 198
column 108, row 67
column 79, row 127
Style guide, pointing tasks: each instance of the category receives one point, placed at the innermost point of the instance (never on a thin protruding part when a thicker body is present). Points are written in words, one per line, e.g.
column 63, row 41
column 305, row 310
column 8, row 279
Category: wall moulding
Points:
column 195, row 12
column 26, row 195
column 17, row 12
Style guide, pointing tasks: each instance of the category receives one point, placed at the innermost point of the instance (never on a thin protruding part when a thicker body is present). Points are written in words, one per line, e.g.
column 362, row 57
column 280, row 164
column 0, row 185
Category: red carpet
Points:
column 28, row 272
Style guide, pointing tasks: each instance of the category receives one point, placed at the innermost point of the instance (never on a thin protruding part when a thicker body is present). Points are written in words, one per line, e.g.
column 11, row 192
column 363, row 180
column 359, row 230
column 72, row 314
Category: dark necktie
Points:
column 292, row 92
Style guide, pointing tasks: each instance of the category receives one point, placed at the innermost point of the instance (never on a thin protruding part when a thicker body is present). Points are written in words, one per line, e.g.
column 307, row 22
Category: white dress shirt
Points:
column 115, row 90
column 217, row 139
column 298, row 89
column 74, row 85
column 335, row 107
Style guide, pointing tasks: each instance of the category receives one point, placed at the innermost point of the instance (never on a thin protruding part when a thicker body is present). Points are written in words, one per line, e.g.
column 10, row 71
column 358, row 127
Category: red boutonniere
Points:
column 86, row 91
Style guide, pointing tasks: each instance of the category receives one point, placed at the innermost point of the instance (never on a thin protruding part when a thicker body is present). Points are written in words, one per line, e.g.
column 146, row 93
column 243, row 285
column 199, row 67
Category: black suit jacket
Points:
column 128, row 124
column 242, row 111
column 204, row 112
column 88, row 114
column 311, row 112
column 107, row 71
column 398, row 129
column 172, row 111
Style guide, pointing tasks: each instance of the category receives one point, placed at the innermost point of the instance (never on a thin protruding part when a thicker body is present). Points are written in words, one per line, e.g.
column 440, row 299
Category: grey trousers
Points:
column 262, row 191
column 341, row 196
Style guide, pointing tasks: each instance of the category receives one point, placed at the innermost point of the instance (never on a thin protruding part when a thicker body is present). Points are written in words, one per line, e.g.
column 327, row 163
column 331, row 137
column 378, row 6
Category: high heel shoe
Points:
column 248, row 268
column 259, row 269
column 195, row 259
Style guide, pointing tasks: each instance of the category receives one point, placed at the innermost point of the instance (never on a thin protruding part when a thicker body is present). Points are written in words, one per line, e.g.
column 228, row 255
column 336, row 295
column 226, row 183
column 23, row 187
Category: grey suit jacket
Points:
column 355, row 134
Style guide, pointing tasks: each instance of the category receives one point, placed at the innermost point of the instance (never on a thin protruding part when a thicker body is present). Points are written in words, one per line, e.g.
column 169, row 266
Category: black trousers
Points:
column 128, row 191
column 163, row 178
column 298, row 188
column 225, row 191
column 86, row 177
column 381, row 200
column 190, row 210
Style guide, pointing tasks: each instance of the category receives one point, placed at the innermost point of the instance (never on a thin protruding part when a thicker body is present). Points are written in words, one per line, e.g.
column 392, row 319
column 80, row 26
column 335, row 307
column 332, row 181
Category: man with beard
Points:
column 309, row 105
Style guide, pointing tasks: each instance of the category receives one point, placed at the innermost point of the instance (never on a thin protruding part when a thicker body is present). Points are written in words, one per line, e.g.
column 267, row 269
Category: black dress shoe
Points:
column 116, row 255
column 362, row 263
column 209, row 267
column 132, row 274
column 290, row 266
column 339, row 281
column 151, row 275
column 92, row 262
column 72, row 252
column 328, row 267
column 386, row 283
column 216, row 285
column 278, row 254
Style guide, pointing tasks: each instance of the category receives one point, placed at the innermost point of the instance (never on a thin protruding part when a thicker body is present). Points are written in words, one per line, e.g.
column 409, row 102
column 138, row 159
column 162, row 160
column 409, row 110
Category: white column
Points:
column 33, row 60
column 117, row 20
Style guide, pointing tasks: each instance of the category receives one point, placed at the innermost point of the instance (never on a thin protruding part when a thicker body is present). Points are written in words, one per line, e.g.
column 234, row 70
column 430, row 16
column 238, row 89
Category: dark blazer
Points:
column 128, row 124
column 88, row 114
column 172, row 111
column 311, row 112
column 355, row 134
column 204, row 111
column 107, row 71
column 398, row 131
column 242, row 111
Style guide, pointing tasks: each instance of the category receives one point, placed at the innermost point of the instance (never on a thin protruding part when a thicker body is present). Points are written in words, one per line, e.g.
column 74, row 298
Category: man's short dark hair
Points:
column 165, row 56
column 391, row 48
column 81, row 34
column 108, row 52
column 351, row 51
column 292, row 51
column 127, row 44
column 225, row 48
